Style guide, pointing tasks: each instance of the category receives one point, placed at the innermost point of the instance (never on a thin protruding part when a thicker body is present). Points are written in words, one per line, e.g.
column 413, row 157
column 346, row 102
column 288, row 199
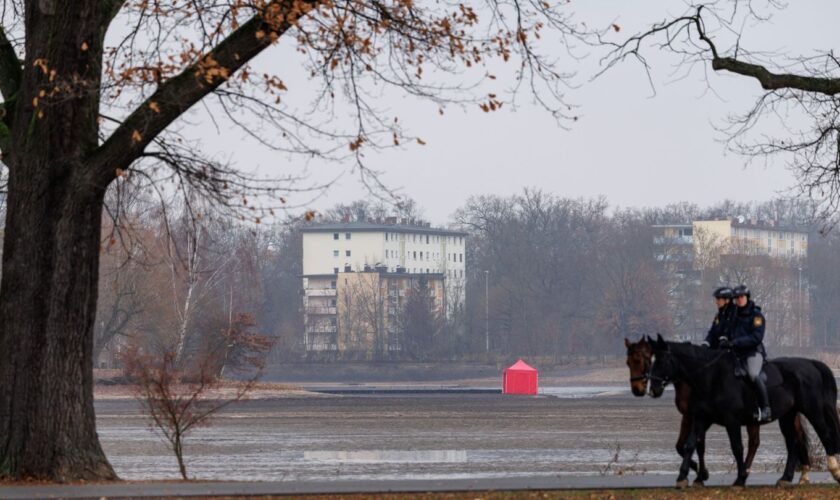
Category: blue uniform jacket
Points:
column 721, row 325
column 747, row 335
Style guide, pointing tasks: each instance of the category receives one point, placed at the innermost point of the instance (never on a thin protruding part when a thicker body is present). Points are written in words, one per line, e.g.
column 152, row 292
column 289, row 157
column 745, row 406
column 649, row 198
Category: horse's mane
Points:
column 693, row 351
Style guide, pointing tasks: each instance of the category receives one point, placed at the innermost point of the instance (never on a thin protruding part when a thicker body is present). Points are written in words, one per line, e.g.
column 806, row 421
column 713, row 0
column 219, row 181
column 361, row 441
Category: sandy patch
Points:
column 263, row 390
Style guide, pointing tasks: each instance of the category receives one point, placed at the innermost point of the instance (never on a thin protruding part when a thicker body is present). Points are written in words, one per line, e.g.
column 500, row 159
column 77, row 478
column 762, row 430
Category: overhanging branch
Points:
column 775, row 81
column 110, row 9
column 11, row 71
column 176, row 95
column 768, row 80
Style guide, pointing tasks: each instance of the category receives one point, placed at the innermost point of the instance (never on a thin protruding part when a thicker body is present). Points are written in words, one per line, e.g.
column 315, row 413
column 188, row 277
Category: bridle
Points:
column 667, row 380
column 645, row 375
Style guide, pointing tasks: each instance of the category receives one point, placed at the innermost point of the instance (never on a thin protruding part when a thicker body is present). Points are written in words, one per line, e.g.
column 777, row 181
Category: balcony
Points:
column 673, row 240
column 320, row 292
column 320, row 310
column 321, row 329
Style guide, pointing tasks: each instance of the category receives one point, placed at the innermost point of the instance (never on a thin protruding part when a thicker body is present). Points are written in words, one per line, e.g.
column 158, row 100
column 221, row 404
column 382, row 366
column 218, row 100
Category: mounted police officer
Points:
column 723, row 318
column 746, row 338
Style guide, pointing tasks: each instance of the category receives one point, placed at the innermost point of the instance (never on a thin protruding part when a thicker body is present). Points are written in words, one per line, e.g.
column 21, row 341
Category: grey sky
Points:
column 635, row 149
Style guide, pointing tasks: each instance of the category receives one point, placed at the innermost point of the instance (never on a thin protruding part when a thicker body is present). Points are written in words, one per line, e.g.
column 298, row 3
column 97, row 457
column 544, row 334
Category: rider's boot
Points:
column 763, row 400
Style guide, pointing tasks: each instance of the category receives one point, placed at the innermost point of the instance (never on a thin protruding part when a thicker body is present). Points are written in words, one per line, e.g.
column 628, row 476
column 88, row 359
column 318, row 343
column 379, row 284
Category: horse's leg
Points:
column 734, row 432
column 702, row 472
column 823, row 418
column 753, row 440
column 803, row 451
column 786, row 424
column 685, row 428
column 688, row 449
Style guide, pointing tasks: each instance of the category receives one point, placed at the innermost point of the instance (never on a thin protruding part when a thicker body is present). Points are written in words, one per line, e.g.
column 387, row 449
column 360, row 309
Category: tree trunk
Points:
column 51, row 251
column 50, row 265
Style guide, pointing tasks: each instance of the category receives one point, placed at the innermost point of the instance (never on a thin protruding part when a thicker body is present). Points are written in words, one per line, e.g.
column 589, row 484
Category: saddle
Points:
column 769, row 372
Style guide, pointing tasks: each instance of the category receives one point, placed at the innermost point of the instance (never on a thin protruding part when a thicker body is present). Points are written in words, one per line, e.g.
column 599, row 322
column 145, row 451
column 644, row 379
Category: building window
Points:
column 335, row 236
column 421, row 255
column 335, row 253
column 346, row 236
column 460, row 257
column 332, row 283
column 427, row 239
column 347, row 253
column 335, row 270
column 332, row 303
column 415, row 256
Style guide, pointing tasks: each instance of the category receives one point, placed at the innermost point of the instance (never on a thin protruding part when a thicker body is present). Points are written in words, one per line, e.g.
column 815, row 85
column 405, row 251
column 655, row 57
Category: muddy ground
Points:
column 419, row 436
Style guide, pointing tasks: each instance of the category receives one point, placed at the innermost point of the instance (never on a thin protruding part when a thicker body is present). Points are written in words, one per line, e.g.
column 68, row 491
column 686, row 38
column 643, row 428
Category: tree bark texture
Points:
column 51, row 251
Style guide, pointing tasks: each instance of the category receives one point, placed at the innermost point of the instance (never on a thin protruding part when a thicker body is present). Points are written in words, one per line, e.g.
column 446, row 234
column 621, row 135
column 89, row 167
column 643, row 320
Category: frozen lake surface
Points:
column 565, row 431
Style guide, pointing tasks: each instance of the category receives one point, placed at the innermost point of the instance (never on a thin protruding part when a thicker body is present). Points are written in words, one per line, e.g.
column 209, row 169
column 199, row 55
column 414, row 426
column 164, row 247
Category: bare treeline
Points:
column 569, row 277
column 546, row 276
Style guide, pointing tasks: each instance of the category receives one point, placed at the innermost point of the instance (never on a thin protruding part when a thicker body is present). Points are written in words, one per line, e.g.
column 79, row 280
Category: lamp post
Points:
column 486, row 311
column 799, row 312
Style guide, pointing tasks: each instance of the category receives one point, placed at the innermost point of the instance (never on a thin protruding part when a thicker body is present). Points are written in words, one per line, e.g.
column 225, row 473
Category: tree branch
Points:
column 775, row 81
column 11, row 71
column 176, row 95
column 110, row 9
column 768, row 80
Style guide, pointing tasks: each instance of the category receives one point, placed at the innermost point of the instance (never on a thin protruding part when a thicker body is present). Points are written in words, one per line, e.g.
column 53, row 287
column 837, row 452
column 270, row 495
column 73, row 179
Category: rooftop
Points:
column 390, row 225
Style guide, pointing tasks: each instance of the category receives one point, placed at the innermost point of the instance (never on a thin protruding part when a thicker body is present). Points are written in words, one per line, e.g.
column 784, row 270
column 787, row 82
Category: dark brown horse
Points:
column 639, row 359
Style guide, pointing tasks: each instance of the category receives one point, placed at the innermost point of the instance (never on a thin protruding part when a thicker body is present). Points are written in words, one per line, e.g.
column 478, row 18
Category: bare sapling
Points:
column 180, row 396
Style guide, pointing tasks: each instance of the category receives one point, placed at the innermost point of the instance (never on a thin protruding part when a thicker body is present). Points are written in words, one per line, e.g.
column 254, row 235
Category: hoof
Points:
column 804, row 475
column 683, row 484
column 782, row 483
column 739, row 483
column 699, row 483
column 703, row 476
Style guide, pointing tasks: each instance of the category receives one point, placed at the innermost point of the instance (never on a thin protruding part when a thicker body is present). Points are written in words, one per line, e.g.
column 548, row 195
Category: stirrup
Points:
column 762, row 415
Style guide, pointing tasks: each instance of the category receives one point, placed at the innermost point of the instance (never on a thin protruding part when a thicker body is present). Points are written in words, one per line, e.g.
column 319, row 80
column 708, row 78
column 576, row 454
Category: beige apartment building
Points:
column 697, row 257
column 713, row 238
column 357, row 277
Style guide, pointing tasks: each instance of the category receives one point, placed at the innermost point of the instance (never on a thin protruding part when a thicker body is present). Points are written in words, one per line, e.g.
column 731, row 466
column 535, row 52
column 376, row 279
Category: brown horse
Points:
column 639, row 359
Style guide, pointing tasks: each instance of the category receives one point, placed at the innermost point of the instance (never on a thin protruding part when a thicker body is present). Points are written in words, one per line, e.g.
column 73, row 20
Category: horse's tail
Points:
column 829, row 385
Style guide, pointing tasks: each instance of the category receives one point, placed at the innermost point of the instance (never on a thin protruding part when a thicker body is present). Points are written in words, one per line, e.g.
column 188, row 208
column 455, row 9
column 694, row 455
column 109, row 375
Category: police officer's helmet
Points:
column 740, row 290
column 723, row 292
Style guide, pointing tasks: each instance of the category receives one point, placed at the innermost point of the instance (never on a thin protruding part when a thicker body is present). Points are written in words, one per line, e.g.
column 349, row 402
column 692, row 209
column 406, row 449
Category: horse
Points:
column 639, row 358
column 795, row 385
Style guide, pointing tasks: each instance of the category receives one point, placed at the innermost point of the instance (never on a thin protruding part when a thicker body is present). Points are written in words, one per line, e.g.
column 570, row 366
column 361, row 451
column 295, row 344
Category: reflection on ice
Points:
column 584, row 391
column 587, row 391
column 376, row 456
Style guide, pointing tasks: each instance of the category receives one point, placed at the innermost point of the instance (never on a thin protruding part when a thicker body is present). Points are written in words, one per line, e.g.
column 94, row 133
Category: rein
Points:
column 666, row 380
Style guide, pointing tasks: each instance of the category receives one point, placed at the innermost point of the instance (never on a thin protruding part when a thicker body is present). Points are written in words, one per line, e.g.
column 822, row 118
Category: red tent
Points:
column 520, row 379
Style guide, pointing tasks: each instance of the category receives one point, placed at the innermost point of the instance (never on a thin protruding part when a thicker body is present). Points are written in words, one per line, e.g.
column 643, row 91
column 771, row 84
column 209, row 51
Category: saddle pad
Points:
column 769, row 372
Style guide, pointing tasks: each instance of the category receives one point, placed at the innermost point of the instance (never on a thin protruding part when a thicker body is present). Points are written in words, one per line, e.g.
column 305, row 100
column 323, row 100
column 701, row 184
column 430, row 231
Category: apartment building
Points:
column 356, row 277
column 697, row 257
column 704, row 241
column 749, row 237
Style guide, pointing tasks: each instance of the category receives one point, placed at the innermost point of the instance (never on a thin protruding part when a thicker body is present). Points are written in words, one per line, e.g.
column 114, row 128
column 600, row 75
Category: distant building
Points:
column 697, row 257
column 357, row 275
column 749, row 237
column 692, row 245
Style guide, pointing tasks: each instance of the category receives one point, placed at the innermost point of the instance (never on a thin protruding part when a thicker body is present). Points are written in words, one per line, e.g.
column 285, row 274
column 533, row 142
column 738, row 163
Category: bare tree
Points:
column 179, row 400
column 93, row 95
column 799, row 92
column 361, row 315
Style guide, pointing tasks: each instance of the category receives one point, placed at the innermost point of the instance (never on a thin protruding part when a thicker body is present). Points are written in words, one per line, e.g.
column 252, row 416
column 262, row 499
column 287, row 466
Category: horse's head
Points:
column 664, row 368
column 639, row 357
